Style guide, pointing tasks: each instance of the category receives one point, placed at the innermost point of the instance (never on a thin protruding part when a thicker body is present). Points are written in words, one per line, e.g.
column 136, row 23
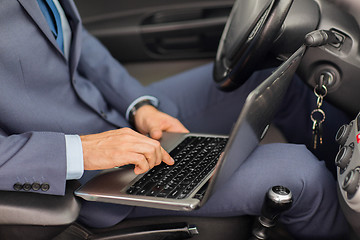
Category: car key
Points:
column 317, row 117
column 315, row 131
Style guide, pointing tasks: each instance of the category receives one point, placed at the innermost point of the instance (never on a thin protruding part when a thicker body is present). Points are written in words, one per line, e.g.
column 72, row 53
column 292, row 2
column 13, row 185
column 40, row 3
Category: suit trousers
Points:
column 204, row 108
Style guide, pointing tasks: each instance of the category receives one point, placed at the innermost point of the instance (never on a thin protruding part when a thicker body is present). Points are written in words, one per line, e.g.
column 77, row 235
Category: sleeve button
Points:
column 18, row 186
column 45, row 187
column 27, row 186
column 36, row 186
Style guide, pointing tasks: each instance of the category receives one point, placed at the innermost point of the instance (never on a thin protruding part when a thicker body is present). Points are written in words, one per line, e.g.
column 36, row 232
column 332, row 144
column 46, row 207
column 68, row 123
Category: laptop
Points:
column 187, row 185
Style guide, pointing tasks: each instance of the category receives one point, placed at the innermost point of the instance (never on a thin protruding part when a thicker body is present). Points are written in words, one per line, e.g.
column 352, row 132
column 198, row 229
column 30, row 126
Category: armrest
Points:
column 20, row 208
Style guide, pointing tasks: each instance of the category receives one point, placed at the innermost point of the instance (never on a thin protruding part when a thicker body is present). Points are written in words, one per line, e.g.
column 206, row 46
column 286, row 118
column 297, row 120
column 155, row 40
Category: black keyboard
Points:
column 195, row 158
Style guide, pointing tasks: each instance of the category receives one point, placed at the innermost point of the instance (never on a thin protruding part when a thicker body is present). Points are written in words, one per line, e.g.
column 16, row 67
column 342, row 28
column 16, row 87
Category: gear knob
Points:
column 277, row 200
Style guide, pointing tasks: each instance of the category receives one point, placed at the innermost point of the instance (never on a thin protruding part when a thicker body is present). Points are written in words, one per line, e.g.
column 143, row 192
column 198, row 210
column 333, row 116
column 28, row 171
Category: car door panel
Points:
column 158, row 30
column 156, row 39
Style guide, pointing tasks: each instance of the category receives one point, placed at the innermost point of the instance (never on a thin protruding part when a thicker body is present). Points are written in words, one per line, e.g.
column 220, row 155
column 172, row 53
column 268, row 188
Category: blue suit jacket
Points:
column 43, row 96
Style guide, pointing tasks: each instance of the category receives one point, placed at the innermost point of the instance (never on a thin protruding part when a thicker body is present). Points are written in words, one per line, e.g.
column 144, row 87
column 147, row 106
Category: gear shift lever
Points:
column 277, row 200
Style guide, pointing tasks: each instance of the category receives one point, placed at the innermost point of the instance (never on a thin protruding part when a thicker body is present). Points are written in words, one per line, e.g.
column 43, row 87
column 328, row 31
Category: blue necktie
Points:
column 52, row 16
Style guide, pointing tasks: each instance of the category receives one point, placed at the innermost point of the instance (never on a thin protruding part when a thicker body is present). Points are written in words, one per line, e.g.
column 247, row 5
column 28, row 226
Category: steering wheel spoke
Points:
column 252, row 27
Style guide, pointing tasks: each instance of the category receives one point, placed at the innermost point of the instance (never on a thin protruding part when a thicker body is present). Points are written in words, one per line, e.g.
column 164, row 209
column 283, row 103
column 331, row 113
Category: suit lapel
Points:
column 75, row 24
column 32, row 8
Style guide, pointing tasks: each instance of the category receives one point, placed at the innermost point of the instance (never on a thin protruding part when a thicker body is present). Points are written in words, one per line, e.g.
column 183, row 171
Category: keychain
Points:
column 318, row 116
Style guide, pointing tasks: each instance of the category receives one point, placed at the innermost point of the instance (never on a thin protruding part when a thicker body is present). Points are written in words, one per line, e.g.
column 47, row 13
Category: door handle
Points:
column 186, row 32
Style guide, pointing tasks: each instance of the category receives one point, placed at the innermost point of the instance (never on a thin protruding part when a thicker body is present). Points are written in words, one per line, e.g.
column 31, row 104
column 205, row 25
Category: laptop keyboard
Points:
column 195, row 158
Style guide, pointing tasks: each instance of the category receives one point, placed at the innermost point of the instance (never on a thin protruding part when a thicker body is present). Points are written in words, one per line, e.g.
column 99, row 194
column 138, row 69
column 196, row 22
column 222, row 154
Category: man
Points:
column 65, row 107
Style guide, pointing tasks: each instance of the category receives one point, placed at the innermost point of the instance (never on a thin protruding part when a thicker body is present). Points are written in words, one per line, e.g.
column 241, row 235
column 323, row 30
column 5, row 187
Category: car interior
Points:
column 156, row 39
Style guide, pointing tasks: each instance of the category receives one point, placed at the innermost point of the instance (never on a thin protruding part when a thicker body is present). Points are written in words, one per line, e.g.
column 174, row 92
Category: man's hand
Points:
column 121, row 147
column 149, row 120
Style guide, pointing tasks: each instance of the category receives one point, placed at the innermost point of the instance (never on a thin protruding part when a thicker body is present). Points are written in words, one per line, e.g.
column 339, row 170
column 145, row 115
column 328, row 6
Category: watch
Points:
column 136, row 107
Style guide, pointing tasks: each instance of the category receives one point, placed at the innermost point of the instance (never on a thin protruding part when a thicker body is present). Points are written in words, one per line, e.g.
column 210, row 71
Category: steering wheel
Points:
column 250, row 30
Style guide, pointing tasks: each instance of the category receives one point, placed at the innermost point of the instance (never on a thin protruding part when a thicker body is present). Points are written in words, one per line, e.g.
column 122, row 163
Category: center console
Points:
column 347, row 161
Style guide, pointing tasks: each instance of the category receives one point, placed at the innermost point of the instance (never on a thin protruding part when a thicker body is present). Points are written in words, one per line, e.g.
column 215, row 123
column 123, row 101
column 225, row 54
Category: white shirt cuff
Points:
column 154, row 101
column 74, row 157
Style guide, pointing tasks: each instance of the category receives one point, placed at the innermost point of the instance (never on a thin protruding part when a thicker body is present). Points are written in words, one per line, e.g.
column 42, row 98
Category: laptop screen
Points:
column 258, row 112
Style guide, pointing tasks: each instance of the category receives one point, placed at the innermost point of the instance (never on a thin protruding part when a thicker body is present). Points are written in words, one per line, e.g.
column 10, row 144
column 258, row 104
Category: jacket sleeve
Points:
column 118, row 87
column 98, row 66
column 33, row 162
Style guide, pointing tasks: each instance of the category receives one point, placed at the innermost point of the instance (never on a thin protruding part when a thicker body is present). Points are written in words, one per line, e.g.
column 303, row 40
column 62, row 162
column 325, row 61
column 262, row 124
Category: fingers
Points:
column 147, row 157
column 168, row 124
column 151, row 149
column 148, row 120
column 167, row 159
column 121, row 147
column 155, row 133
column 152, row 153
column 140, row 162
column 177, row 126
column 143, row 165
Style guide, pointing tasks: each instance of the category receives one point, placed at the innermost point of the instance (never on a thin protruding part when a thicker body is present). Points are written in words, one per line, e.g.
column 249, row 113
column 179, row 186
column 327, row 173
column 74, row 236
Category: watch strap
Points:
column 134, row 109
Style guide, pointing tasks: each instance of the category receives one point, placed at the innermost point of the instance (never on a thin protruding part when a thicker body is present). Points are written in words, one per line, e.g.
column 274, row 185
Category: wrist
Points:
column 134, row 110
